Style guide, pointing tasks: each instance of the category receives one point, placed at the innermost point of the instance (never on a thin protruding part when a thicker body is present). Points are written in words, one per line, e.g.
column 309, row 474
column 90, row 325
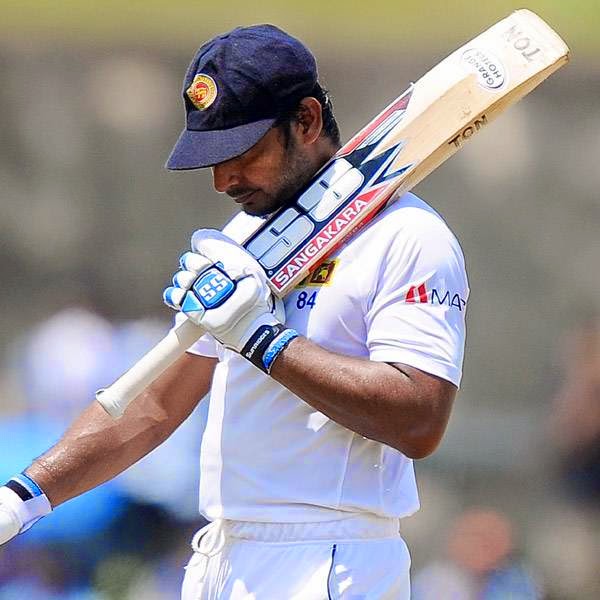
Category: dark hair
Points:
column 330, row 126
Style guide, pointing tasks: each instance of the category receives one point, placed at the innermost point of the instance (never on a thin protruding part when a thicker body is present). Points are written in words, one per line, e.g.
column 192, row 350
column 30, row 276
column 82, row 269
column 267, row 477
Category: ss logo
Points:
column 323, row 197
column 213, row 287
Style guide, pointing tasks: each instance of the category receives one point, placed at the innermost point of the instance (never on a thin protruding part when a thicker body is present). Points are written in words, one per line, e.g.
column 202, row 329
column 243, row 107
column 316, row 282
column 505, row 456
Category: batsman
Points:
column 318, row 403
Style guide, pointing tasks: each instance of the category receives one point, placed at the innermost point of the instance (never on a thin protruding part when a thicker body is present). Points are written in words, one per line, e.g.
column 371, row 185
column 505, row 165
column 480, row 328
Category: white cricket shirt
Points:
column 396, row 292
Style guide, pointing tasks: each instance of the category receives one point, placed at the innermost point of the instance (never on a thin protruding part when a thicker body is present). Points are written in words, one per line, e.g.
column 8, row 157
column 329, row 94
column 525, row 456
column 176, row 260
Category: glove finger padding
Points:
column 194, row 262
column 173, row 297
column 217, row 247
column 184, row 279
column 224, row 290
column 248, row 297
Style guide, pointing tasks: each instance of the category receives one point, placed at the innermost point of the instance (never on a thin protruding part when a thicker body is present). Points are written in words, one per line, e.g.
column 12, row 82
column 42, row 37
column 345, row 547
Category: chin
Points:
column 255, row 211
column 261, row 209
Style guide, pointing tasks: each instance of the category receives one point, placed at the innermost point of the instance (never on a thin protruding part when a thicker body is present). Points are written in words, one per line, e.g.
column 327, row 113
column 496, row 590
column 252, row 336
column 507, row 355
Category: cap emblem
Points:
column 202, row 92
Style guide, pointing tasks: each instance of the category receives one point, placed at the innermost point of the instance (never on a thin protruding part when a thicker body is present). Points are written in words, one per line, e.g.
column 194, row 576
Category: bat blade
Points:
column 417, row 132
column 410, row 138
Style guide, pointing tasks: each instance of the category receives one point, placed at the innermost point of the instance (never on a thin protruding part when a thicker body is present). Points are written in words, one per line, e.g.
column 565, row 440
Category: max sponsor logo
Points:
column 419, row 294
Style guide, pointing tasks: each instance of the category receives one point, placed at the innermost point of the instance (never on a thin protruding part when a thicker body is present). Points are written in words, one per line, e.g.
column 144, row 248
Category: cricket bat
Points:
column 417, row 132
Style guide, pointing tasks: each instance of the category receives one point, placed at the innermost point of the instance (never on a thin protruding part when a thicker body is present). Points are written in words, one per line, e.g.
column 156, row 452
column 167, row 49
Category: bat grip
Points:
column 115, row 398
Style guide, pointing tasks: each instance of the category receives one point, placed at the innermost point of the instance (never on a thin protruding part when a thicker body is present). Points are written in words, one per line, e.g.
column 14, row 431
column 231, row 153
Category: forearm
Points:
column 93, row 450
column 96, row 447
column 400, row 407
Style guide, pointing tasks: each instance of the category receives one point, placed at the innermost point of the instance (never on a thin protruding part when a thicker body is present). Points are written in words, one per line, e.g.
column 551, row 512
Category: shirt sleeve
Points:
column 416, row 314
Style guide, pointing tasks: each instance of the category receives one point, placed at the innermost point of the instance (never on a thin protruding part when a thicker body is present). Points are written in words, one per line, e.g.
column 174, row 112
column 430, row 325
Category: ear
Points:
column 309, row 124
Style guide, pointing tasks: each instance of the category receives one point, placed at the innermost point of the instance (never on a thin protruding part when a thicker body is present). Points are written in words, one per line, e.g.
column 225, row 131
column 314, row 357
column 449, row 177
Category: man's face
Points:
column 265, row 177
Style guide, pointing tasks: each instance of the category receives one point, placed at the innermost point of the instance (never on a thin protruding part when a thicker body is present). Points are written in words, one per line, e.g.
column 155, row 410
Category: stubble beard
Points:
column 296, row 171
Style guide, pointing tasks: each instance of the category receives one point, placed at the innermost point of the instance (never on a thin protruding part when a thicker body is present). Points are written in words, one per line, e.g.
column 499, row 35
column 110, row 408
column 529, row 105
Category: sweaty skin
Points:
column 97, row 447
column 397, row 405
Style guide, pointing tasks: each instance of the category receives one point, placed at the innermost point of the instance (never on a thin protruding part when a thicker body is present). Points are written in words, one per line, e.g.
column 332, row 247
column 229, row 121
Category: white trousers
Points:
column 356, row 558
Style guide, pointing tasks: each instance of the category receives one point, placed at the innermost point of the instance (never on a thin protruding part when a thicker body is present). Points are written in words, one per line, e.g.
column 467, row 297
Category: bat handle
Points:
column 115, row 398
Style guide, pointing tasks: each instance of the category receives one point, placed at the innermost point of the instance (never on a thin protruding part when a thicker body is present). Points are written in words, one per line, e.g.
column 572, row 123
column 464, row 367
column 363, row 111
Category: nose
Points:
column 225, row 176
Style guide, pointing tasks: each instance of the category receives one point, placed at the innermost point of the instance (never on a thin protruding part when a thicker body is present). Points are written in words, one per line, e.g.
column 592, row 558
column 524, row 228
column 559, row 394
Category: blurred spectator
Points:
column 129, row 530
column 480, row 563
column 575, row 421
column 43, row 572
column 24, row 437
column 66, row 358
column 62, row 363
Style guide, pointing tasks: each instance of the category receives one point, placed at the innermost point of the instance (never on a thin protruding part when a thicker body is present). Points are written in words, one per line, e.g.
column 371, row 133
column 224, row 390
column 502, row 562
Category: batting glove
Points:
column 221, row 288
column 22, row 503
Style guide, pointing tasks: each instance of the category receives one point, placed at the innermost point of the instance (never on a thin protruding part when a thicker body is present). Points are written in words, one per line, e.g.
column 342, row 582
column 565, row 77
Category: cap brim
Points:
column 198, row 149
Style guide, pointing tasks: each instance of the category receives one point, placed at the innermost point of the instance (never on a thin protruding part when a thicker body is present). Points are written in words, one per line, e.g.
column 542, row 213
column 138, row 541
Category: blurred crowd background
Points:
column 91, row 227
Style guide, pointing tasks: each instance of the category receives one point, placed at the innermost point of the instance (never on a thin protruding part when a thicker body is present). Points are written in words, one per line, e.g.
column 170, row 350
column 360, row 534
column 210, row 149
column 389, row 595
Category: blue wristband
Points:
column 27, row 500
column 29, row 483
column 277, row 346
column 265, row 345
column 25, row 487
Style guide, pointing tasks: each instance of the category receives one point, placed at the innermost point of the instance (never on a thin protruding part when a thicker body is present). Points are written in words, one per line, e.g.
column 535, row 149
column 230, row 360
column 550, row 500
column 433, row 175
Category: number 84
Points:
column 304, row 300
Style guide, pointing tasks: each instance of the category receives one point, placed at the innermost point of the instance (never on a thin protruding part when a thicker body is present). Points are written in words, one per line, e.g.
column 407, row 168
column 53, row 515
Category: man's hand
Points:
column 224, row 290
column 22, row 503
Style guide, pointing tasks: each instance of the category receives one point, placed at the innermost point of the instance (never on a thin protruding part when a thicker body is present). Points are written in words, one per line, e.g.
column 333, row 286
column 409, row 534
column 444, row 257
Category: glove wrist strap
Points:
column 25, row 487
column 265, row 345
column 32, row 503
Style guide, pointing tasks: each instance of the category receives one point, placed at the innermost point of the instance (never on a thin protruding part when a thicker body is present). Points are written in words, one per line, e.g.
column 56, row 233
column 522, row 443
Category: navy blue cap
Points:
column 235, row 88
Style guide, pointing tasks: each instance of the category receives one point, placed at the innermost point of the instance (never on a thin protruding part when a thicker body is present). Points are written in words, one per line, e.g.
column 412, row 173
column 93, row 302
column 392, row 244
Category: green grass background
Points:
column 369, row 25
